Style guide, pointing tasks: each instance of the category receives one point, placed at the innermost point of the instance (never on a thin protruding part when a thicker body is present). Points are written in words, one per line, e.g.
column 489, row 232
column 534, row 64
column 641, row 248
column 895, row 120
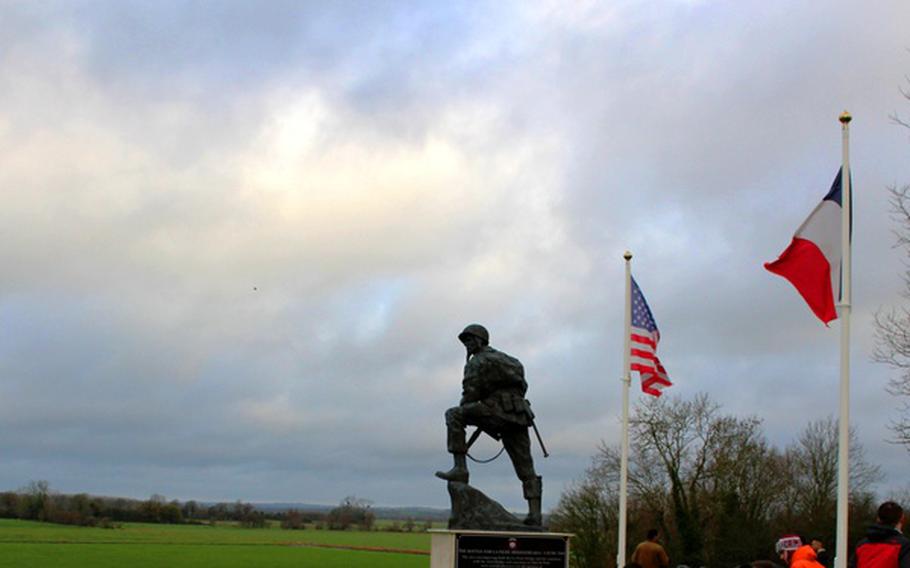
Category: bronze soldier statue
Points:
column 493, row 399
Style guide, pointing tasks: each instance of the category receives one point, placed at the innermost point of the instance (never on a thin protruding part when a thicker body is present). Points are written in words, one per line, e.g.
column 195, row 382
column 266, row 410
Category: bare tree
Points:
column 812, row 479
column 695, row 474
column 35, row 501
column 293, row 520
column 588, row 509
column 713, row 485
column 743, row 491
column 676, row 439
column 351, row 512
column 892, row 327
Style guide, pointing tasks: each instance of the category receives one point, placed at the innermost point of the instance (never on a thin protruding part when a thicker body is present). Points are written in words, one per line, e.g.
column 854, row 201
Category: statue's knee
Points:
column 526, row 472
column 454, row 416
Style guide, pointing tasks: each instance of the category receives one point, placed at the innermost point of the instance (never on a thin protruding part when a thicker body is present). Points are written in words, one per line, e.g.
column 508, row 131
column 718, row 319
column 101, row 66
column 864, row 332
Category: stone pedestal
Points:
column 498, row 549
column 472, row 510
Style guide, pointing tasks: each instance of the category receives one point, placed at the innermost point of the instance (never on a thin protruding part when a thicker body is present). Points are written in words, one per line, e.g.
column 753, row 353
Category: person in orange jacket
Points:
column 806, row 555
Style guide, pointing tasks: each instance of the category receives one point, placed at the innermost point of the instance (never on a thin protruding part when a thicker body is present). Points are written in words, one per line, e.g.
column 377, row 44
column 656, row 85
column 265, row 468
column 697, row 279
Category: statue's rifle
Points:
column 478, row 431
column 539, row 439
column 472, row 439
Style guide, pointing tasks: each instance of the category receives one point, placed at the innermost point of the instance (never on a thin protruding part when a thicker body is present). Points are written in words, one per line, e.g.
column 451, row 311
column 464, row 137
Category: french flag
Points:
column 812, row 262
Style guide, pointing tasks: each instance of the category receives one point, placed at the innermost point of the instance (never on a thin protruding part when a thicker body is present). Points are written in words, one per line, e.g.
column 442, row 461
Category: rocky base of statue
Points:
column 471, row 509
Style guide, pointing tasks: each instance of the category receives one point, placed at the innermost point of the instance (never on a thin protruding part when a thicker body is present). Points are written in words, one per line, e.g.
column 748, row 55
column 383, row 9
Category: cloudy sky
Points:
column 239, row 239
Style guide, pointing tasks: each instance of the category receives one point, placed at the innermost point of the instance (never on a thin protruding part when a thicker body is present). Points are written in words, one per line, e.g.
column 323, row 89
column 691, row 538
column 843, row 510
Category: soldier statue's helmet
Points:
column 476, row 330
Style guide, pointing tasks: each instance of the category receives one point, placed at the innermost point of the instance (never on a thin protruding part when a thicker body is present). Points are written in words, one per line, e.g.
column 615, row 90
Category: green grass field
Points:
column 31, row 544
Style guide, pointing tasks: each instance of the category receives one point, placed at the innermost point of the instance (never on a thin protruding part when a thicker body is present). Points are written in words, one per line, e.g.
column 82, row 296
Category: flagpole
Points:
column 626, row 382
column 843, row 451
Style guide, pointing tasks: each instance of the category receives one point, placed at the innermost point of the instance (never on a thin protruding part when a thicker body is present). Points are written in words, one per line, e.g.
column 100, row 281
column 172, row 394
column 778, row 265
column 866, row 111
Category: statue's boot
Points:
column 534, row 518
column 533, row 490
column 458, row 473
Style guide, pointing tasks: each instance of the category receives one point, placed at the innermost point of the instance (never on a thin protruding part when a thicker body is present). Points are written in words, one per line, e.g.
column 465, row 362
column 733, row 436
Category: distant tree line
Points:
column 713, row 485
column 38, row 502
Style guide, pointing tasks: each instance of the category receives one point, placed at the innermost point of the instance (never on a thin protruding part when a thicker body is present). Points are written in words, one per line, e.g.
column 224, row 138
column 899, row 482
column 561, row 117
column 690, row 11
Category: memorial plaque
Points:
column 503, row 551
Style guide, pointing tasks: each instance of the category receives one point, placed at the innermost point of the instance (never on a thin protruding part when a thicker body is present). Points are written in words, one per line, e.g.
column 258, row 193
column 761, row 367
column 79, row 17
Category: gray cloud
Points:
column 239, row 243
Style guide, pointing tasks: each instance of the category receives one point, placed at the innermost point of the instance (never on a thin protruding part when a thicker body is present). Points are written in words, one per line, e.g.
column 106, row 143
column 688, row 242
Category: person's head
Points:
column 786, row 545
column 891, row 514
column 816, row 543
column 474, row 337
column 653, row 534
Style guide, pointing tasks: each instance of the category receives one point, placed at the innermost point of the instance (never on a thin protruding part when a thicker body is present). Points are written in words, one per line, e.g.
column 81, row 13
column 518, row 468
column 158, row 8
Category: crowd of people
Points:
column 884, row 546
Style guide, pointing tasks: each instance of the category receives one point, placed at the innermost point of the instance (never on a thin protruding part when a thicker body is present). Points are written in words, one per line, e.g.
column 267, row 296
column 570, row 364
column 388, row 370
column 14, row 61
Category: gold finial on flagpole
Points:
column 627, row 255
column 845, row 118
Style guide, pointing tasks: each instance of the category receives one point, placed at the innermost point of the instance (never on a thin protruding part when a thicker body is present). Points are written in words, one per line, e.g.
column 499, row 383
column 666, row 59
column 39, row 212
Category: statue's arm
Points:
column 476, row 384
column 471, row 389
column 469, row 393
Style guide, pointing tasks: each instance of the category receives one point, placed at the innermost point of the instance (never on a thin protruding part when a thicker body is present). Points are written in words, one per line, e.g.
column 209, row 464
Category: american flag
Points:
column 645, row 337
